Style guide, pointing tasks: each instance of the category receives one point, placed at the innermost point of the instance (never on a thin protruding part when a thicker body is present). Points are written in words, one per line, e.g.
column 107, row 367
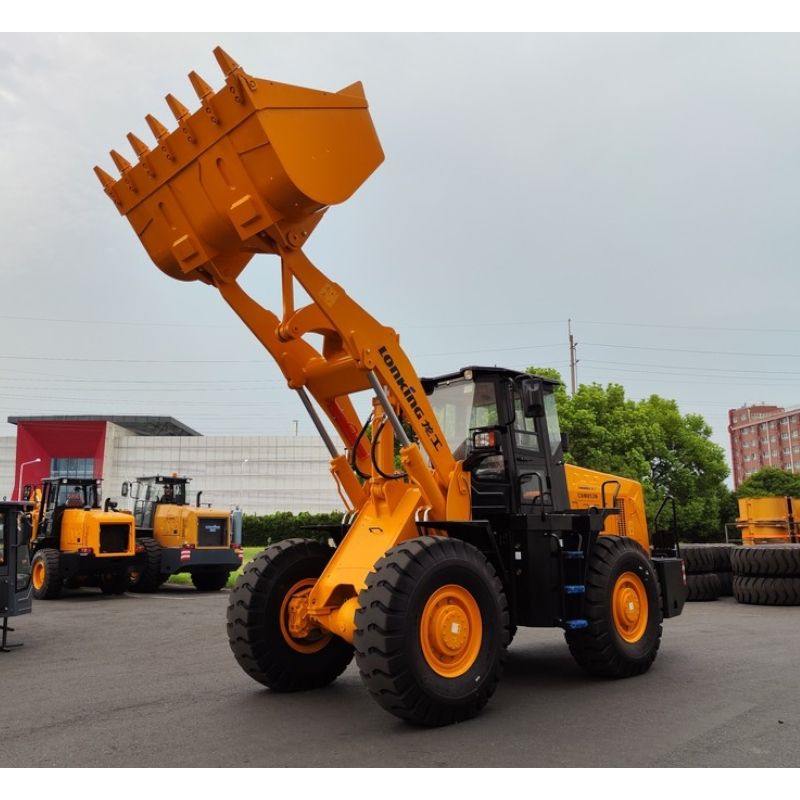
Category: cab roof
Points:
column 73, row 481
column 485, row 372
column 165, row 478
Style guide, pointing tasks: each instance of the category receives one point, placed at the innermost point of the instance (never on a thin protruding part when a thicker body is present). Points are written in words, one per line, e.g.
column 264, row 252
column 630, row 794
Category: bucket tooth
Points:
column 182, row 115
column 104, row 178
column 159, row 131
column 139, row 147
column 178, row 109
column 226, row 63
column 354, row 90
column 200, row 86
column 122, row 164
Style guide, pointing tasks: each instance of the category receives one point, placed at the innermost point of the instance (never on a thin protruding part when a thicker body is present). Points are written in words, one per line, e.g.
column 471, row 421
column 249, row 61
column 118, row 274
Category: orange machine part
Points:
column 256, row 153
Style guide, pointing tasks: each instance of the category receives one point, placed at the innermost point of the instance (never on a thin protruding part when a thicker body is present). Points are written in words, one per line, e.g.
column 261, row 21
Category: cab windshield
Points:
column 171, row 493
column 461, row 406
column 77, row 496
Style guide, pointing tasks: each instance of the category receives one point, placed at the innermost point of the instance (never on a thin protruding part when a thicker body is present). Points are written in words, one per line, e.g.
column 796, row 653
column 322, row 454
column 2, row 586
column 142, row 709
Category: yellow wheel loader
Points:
column 178, row 537
column 75, row 542
column 482, row 529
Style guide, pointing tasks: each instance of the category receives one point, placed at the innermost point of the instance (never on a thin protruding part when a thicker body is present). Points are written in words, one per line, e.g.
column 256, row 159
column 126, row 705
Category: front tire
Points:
column 46, row 574
column 623, row 609
column 432, row 630
column 258, row 629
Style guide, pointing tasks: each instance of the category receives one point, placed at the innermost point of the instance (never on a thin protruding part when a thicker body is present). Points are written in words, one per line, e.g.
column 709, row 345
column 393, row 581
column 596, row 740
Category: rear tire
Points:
column 46, row 574
column 210, row 580
column 432, row 630
column 150, row 578
column 621, row 579
column 255, row 626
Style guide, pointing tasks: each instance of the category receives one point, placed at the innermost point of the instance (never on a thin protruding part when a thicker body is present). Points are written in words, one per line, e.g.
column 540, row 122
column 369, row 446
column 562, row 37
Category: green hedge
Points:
column 259, row 531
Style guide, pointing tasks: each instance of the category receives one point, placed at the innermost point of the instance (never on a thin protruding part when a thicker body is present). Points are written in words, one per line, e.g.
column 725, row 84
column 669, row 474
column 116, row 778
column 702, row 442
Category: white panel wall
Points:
column 259, row 474
column 8, row 460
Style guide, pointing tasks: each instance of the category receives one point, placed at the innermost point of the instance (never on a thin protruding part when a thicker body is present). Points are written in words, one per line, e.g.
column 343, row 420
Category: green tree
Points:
column 650, row 441
column 770, row 482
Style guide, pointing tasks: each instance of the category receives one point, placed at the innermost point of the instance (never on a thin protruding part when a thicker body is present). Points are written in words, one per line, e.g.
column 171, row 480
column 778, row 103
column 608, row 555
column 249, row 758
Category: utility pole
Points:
column 573, row 346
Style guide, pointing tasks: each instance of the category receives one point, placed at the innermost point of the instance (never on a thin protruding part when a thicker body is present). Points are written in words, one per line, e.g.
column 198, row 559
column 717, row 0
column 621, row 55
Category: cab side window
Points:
column 524, row 427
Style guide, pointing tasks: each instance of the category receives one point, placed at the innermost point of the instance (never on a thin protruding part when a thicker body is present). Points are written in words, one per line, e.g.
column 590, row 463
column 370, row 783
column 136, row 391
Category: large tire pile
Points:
column 708, row 571
column 767, row 575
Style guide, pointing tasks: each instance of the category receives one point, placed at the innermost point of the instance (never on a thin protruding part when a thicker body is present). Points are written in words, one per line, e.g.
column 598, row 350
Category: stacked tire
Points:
column 767, row 575
column 708, row 571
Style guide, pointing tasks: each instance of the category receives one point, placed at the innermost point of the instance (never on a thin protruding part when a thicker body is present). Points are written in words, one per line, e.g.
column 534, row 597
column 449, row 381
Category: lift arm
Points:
column 253, row 171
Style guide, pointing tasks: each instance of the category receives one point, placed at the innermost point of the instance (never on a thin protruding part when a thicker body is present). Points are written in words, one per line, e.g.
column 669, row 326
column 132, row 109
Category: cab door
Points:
column 532, row 487
column 538, row 451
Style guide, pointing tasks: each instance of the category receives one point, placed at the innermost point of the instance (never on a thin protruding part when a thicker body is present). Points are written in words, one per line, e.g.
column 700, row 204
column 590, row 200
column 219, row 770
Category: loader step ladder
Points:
column 572, row 562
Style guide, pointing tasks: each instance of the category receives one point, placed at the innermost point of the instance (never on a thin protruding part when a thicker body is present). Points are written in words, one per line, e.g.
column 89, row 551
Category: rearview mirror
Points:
column 124, row 490
column 532, row 399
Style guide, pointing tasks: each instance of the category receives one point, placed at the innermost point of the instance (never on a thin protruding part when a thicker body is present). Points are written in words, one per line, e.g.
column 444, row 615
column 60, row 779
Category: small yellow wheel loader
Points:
column 178, row 537
column 482, row 529
column 75, row 542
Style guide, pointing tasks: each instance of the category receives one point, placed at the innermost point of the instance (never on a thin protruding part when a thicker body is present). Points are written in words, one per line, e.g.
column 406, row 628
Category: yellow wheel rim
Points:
column 38, row 575
column 629, row 607
column 450, row 631
column 317, row 639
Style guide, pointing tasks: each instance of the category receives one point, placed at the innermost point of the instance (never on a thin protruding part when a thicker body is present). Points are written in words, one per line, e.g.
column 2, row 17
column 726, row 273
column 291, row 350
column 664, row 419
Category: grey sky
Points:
column 640, row 184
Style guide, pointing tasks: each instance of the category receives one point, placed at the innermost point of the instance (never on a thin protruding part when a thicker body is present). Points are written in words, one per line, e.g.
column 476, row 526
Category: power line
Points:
column 688, row 327
column 694, row 352
column 700, row 369
column 128, row 323
column 132, row 360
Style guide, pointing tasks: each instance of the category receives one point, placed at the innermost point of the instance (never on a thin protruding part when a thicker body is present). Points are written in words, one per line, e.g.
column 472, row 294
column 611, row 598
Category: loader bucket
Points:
column 255, row 154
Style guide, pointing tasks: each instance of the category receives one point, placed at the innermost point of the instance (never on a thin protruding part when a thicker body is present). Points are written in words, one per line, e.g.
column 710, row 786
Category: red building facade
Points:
column 763, row 436
column 75, row 446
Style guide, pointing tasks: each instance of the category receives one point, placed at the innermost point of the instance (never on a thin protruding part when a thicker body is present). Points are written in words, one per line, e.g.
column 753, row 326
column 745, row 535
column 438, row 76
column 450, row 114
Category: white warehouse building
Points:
column 258, row 474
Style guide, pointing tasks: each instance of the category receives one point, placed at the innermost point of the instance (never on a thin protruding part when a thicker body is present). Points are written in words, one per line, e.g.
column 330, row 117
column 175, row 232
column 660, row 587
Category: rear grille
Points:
column 212, row 532
column 113, row 538
column 622, row 523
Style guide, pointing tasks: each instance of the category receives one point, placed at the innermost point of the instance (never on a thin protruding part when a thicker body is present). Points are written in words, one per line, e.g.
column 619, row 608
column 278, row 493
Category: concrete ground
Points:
column 150, row 681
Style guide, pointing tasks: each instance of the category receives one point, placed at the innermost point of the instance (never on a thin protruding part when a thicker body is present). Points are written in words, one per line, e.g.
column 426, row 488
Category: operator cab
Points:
column 503, row 424
column 148, row 492
column 62, row 494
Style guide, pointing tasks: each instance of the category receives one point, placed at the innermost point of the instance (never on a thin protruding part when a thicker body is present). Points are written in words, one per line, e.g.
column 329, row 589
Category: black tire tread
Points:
column 269, row 662
column 768, row 560
column 594, row 648
column 150, row 578
column 53, row 582
column 703, row 587
column 382, row 618
column 698, row 558
column 771, row 591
